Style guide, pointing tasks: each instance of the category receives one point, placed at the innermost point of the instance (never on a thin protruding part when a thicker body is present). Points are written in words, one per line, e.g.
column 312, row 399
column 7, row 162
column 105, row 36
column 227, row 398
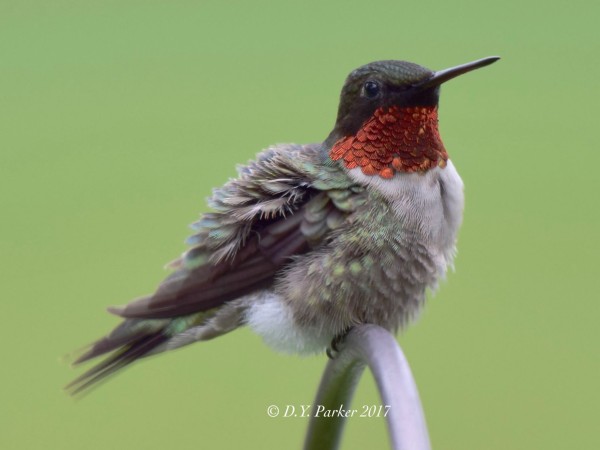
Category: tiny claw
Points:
column 331, row 353
column 334, row 348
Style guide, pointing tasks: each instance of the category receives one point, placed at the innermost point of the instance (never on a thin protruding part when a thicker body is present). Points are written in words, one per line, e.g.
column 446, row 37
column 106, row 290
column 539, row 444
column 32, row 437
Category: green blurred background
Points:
column 118, row 117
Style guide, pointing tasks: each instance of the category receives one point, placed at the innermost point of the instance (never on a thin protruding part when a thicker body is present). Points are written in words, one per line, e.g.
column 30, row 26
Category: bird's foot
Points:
column 335, row 347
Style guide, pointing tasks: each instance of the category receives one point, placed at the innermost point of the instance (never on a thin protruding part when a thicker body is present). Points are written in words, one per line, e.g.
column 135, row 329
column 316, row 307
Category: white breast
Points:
column 430, row 204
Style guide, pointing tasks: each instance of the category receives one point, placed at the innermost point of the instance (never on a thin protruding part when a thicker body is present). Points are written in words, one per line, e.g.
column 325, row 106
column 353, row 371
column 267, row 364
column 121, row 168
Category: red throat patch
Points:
column 394, row 140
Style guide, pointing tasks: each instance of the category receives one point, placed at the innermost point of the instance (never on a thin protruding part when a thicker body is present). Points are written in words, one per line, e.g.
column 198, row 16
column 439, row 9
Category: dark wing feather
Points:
column 210, row 285
column 276, row 209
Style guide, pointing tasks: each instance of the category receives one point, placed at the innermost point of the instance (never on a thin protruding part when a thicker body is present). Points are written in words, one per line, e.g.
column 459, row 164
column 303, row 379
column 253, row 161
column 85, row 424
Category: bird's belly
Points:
column 272, row 318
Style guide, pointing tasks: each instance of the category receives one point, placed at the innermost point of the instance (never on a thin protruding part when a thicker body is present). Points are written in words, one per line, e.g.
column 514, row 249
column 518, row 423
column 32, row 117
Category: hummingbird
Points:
column 311, row 240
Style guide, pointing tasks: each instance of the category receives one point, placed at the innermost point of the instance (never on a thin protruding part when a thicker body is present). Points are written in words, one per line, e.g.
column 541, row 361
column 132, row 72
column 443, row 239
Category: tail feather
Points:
column 129, row 341
column 137, row 338
column 126, row 333
column 134, row 350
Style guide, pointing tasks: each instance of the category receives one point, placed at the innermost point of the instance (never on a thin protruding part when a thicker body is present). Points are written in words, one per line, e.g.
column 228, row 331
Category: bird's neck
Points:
column 394, row 140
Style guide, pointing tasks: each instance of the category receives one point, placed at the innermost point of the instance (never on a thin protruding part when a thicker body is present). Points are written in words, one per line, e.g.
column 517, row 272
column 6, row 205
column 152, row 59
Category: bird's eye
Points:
column 371, row 89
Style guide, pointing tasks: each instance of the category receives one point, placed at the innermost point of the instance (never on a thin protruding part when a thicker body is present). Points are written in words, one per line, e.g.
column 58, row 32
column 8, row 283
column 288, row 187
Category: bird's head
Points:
column 387, row 118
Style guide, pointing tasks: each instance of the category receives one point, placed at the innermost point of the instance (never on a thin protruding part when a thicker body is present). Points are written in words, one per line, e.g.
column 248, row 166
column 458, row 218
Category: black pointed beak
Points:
column 442, row 76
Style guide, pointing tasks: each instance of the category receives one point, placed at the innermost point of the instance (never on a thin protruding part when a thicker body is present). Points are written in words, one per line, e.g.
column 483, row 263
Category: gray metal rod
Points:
column 369, row 345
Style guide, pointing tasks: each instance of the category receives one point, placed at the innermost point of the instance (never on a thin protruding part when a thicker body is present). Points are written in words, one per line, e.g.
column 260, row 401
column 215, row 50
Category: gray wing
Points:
column 282, row 205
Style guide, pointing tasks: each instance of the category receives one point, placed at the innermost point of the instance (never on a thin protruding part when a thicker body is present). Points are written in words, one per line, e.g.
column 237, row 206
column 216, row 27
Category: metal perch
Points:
column 373, row 346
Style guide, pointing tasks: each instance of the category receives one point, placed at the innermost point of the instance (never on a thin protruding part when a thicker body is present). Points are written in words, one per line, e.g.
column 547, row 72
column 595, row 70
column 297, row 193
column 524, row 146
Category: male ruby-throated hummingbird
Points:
column 310, row 240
